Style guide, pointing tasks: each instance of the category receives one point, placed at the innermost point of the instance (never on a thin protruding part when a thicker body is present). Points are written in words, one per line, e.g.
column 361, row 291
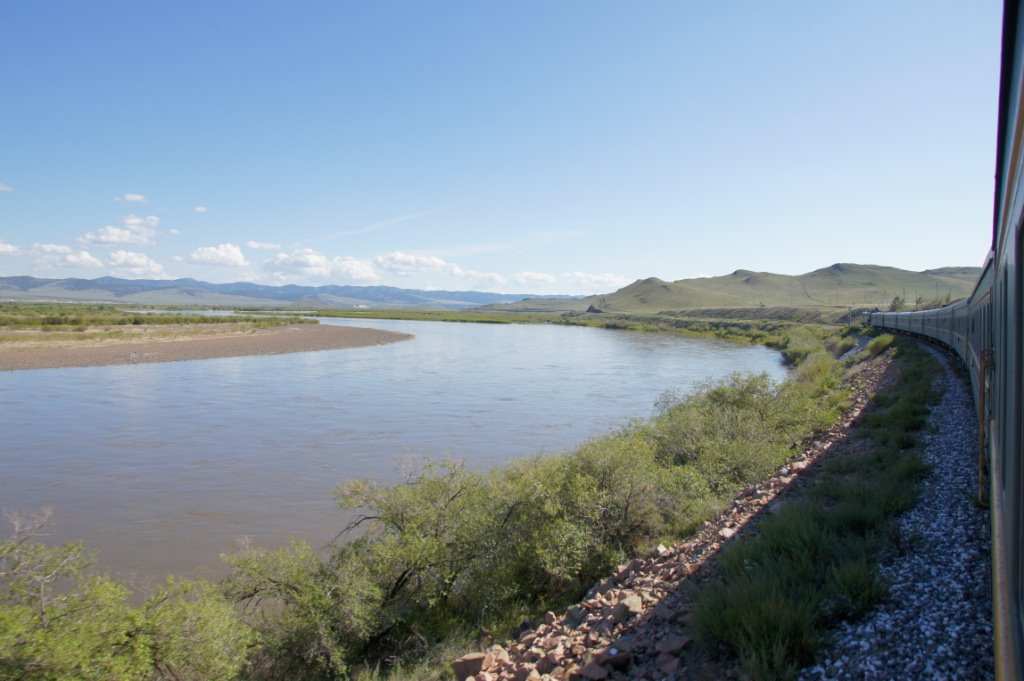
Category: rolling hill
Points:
column 839, row 286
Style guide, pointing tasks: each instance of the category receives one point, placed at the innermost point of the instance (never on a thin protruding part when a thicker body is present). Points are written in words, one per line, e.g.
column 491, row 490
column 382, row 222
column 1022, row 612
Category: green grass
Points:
column 57, row 317
column 815, row 562
column 471, row 316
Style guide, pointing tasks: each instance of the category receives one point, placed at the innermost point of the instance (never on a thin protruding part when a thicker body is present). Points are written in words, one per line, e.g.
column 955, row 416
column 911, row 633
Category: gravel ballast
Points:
column 937, row 623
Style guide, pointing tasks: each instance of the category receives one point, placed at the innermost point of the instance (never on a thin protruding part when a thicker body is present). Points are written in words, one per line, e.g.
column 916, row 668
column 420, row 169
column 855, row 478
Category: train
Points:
column 984, row 332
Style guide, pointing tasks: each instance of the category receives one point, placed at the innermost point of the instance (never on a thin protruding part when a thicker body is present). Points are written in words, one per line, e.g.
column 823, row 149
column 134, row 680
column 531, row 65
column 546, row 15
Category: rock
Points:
column 575, row 615
column 629, row 606
column 726, row 533
column 593, row 671
column 551, row 643
column 499, row 653
column 468, row 665
column 524, row 672
column 673, row 643
column 550, row 617
column 660, row 551
column 617, row 658
column 664, row 611
column 667, row 664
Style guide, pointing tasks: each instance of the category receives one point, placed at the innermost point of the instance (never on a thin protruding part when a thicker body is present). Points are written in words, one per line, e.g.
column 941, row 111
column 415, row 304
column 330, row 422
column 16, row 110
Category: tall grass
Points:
column 815, row 562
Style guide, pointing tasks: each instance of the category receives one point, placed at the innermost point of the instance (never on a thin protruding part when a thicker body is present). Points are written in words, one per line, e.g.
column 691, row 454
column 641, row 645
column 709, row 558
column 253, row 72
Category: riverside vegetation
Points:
column 51, row 323
column 449, row 555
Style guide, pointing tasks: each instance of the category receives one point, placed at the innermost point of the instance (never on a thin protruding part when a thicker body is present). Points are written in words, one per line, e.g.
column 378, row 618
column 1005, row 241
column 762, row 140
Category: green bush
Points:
column 60, row 621
column 879, row 344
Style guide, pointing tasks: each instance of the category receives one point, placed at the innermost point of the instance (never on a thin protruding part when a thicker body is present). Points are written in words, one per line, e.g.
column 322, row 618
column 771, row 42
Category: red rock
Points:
column 673, row 643
column 616, row 658
column 468, row 665
column 593, row 671
column 629, row 606
column 663, row 611
column 522, row 672
column 668, row 664
column 498, row 653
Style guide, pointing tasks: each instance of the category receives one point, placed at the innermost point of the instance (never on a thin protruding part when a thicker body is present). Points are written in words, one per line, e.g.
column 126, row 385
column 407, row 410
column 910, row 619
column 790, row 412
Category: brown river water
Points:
column 162, row 467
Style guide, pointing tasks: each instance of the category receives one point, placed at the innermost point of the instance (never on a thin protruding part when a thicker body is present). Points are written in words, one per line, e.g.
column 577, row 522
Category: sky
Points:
column 536, row 146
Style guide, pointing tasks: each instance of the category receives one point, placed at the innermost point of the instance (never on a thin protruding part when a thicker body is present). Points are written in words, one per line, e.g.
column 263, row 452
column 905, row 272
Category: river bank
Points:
column 207, row 343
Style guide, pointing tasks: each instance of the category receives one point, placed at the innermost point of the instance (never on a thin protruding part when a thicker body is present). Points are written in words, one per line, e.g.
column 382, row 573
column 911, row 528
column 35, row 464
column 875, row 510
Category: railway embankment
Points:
column 931, row 614
column 937, row 622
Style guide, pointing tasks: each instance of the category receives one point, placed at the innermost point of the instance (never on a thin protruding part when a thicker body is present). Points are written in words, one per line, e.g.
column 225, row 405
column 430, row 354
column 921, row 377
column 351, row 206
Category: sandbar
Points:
column 261, row 341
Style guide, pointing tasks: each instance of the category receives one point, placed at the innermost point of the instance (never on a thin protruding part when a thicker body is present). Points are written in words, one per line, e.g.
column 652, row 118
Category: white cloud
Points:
column 132, row 230
column 58, row 255
column 407, row 264
column 174, row 232
column 201, row 209
column 410, row 265
column 129, row 263
column 533, row 279
column 262, row 246
column 305, row 263
column 227, row 255
column 4, row 187
column 133, row 198
column 596, row 283
column 9, row 249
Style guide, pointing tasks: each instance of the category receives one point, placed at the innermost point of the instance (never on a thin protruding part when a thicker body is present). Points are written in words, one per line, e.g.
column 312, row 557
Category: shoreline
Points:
column 263, row 341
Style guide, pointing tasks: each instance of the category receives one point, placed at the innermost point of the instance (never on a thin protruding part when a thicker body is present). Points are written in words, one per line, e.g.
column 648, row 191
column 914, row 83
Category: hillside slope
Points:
column 840, row 285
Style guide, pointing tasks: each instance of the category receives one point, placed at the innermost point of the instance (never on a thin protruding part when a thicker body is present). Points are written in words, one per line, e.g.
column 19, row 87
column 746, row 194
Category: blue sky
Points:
column 530, row 146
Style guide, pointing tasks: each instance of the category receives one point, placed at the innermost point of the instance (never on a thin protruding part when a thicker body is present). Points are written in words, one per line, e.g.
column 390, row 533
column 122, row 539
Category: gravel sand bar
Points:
column 263, row 341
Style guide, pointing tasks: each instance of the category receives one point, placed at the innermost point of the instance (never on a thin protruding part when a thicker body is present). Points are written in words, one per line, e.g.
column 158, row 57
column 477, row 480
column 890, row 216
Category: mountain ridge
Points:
column 188, row 291
column 837, row 285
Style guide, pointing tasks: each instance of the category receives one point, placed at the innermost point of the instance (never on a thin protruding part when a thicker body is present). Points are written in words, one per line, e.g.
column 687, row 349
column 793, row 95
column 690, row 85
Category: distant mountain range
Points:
column 192, row 292
column 839, row 285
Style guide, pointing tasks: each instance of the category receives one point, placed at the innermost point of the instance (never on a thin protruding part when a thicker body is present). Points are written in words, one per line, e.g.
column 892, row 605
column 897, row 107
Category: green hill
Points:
column 839, row 286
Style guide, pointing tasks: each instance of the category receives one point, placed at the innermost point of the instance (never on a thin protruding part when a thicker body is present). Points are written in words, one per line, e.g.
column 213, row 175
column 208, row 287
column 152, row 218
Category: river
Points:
column 161, row 467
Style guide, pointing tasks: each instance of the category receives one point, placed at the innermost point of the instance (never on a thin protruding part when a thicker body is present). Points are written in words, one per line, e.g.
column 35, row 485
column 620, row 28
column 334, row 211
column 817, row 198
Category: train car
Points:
column 985, row 332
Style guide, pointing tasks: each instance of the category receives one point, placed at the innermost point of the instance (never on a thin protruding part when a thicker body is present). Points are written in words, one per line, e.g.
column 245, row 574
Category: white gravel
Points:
column 938, row 621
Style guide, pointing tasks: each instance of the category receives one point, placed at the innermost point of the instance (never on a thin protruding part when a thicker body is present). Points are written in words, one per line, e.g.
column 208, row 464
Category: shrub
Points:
column 879, row 344
column 58, row 620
